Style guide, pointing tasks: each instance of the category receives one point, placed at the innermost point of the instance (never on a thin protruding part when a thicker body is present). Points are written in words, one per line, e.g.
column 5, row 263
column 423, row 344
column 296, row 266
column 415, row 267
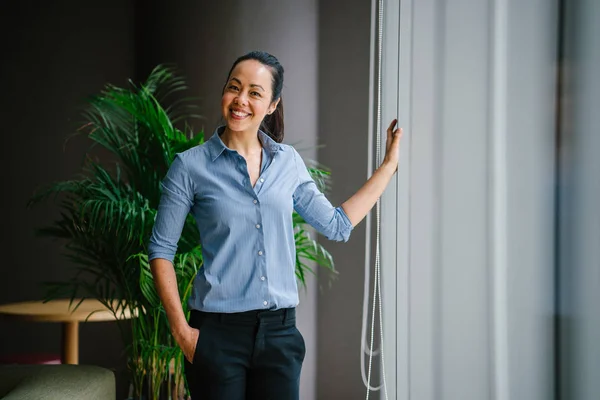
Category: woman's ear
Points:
column 273, row 106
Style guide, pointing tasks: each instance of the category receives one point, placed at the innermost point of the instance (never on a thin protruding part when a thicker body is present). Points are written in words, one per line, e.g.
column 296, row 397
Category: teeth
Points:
column 239, row 114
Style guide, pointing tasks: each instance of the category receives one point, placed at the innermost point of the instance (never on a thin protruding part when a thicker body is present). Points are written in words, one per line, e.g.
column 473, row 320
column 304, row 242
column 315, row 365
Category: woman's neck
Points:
column 244, row 142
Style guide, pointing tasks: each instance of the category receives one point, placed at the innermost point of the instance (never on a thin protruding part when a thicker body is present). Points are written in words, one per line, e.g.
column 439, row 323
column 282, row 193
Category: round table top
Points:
column 59, row 311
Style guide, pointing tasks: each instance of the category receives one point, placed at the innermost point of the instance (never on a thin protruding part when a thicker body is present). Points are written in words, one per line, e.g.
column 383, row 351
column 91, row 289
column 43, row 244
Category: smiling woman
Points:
column 252, row 95
column 242, row 187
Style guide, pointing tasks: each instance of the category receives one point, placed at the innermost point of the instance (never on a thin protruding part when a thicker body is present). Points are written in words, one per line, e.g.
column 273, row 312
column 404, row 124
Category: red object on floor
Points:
column 39, row 358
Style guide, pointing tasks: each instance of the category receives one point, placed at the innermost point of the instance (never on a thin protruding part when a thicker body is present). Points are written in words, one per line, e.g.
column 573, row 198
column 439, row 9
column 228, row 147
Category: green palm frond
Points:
column 309, row 251
column 320, row 174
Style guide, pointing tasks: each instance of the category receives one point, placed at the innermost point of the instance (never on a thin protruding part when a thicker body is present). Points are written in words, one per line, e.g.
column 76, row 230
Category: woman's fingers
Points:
column 391, row 128
column 398, row 133
column 393, row 146
column 391, row 133
column 190, row 344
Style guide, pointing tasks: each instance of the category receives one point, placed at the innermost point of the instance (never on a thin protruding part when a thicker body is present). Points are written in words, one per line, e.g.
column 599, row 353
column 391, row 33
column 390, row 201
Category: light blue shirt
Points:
column 246, row 232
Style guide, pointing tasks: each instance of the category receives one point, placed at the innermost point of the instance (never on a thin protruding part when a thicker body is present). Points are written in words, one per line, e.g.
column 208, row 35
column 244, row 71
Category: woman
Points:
column 242, row 186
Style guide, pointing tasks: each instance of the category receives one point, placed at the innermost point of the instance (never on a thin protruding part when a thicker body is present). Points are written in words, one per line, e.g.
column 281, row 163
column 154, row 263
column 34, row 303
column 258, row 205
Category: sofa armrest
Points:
column 54, row 382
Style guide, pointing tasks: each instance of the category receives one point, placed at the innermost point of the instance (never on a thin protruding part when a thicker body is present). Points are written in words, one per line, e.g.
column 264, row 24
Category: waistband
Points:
column 282, row 315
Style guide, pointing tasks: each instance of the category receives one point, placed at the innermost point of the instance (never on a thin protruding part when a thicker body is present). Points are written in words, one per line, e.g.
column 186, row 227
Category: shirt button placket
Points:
column 260, row 252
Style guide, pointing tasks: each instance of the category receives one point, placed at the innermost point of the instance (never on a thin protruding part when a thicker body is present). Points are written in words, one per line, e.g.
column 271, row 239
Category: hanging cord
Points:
column 377, row 279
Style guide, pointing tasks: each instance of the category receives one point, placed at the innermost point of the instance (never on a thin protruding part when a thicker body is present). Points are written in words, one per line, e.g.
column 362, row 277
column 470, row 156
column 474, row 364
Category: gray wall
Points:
column 54, row 55
column 203, row 39
column 57, row 55
column 325, row 51
column 580, row 195
column 344, row 40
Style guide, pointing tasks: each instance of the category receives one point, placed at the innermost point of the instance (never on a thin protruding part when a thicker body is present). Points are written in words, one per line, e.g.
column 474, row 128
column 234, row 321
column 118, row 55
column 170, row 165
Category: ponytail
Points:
column 272, row 125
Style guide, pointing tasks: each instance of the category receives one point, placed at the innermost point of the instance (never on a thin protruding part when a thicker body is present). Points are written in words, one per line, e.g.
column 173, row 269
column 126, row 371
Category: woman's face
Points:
column 247, row 96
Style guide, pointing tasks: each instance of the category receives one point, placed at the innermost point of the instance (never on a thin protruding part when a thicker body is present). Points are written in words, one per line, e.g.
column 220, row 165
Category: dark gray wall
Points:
column 344, row 42
column 326, row 103
column 203, row 39
column 579, row 270
column 54, row 54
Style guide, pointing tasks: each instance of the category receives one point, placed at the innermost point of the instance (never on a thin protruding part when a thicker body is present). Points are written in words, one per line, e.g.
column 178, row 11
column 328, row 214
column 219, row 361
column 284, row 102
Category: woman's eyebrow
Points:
column 251, row 85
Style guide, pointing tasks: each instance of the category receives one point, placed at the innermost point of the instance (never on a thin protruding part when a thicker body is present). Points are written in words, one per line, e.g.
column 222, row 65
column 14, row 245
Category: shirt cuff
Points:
column 157, row 254
column 346, row 225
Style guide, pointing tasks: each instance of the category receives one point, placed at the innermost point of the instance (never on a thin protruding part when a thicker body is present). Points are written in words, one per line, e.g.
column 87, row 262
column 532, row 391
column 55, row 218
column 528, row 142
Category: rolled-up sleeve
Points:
column 315, row 208
column 177, row 195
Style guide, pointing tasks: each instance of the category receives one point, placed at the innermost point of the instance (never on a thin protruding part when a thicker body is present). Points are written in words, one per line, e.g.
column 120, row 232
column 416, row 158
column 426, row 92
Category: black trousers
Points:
column 246, row 356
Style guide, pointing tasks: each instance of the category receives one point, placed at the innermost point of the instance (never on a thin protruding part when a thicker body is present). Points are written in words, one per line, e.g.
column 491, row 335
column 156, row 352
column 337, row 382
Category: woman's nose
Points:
column 241, row 99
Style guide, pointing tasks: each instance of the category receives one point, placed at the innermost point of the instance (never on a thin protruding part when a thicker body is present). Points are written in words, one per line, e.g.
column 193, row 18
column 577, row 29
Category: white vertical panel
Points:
column 424, row 204
column 473, row 271
column 530, row 148
column 403, row 201
column 464, row 203
column 498, row 202
column 393, row 279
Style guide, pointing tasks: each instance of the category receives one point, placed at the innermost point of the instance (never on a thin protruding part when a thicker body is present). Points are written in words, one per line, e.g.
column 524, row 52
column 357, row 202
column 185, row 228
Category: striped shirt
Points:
column 246, row 232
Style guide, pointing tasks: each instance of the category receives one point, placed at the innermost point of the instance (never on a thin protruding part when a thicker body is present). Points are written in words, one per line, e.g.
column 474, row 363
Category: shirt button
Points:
column 260, row 253
column 265, row 302
column 262, row 278
column 262, row 180
column 255, row 201
column 257, row 226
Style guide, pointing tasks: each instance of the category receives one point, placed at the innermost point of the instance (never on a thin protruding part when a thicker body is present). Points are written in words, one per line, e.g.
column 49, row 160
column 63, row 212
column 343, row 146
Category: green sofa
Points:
column 54, row 382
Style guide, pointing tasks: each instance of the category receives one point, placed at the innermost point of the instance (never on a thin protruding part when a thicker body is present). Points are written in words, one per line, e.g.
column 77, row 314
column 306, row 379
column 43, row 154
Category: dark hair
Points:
column 272, row 124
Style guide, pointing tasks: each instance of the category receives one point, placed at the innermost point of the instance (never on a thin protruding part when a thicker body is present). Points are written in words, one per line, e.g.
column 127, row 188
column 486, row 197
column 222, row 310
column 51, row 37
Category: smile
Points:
column 239, row 114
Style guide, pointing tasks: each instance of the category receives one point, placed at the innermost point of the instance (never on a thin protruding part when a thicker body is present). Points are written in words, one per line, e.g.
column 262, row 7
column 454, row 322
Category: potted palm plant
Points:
column 107, row 213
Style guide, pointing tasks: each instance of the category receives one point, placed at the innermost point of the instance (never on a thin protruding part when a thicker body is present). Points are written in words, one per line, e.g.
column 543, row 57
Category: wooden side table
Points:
column 59, row 311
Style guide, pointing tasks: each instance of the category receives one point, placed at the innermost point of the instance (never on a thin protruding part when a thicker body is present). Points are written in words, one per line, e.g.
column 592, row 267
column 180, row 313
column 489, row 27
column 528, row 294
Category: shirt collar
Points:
column 217, row 147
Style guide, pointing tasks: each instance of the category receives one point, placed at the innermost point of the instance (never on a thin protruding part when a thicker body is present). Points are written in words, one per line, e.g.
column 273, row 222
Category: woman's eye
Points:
column 255, row 94
column 233, row 87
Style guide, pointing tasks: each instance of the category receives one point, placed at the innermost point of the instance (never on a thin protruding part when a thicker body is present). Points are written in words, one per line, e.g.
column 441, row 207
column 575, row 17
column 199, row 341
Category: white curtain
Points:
column 468, row 227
